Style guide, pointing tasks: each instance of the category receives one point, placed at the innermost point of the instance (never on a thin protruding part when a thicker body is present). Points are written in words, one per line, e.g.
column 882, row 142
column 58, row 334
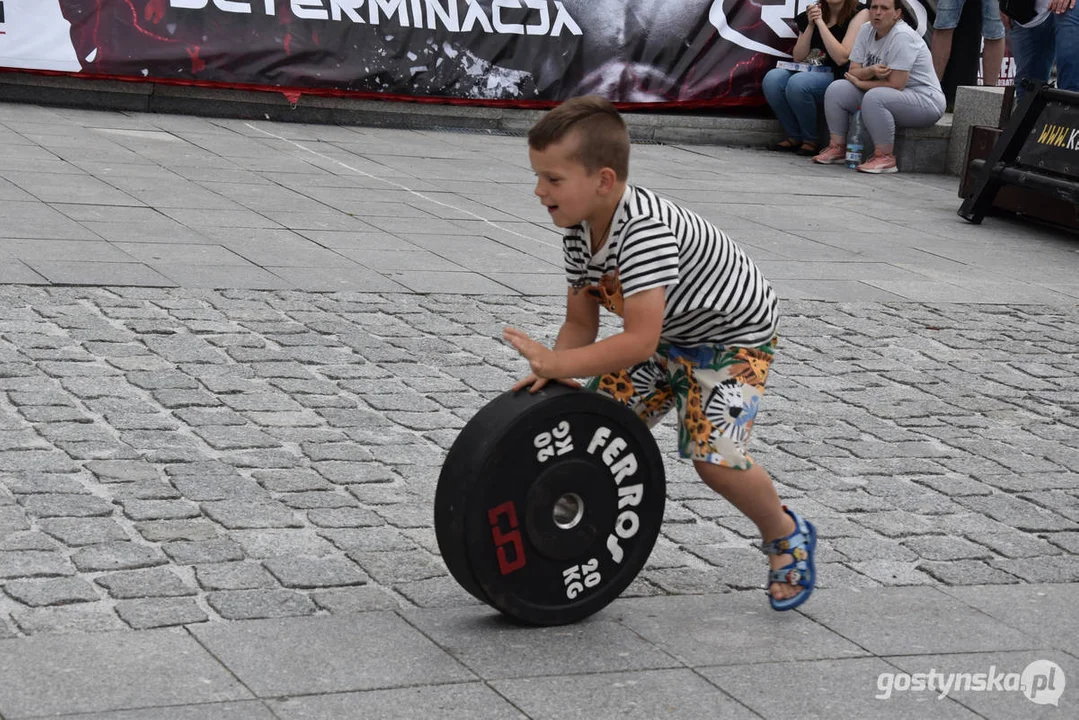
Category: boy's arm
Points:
column 643, row 321
column 582, row 320
column 578, row 329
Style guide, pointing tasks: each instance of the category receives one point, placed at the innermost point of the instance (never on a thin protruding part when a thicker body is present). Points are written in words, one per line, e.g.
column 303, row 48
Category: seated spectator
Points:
column 948, row 12
column 892, row 79
column 1044, row 31
column 827, row 32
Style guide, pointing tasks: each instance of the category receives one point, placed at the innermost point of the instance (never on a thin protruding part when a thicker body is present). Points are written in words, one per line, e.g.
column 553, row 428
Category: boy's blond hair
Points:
column 604, row 140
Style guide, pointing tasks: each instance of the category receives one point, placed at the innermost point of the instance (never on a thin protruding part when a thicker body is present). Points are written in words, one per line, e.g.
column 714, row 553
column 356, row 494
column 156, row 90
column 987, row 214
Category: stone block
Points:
column 974, row 105
column 63, row 675
column 842, row 688
column 83, row 531
column 117, row 556
column 729, row 629
column 676, row 693
column 479, row 638
column 306, row 656
column 160, row 612
column 314, row 572
column 462, row 701
column 233, row 576
column 33, row 563
column 257, row 604
column 203, row 551
column 911, row 620
column 154, row 582
column 51, row 592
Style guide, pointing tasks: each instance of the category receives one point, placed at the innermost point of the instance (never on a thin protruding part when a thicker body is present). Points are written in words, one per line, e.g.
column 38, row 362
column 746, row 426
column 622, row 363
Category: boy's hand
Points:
column 538, row 383
column 541, row 358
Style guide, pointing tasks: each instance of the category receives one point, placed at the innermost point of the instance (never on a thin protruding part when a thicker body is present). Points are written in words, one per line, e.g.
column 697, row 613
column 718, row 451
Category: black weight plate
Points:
column 460, row 468
column 458, row 471
column 495, row 502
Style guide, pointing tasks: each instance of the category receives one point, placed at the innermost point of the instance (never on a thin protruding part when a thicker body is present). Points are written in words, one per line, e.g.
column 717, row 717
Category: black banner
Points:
column 516, row 52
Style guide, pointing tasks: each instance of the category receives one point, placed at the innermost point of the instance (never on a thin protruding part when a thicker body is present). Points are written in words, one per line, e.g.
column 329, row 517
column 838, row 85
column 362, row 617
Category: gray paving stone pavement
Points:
column 233, row 354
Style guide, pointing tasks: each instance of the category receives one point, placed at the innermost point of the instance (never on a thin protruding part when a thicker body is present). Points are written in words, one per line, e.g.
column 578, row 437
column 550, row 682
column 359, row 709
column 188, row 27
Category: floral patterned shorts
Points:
column 717, row 390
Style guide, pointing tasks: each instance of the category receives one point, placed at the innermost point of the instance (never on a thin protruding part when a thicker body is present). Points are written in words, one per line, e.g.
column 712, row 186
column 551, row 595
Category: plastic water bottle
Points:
column 854, row 140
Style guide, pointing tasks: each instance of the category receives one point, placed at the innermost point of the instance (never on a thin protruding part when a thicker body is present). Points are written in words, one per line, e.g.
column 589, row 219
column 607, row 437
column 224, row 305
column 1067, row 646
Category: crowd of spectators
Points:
column 863, row 59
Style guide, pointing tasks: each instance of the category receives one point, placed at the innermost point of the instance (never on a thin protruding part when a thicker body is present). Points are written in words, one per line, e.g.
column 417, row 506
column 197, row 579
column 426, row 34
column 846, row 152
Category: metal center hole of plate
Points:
column 568, row 511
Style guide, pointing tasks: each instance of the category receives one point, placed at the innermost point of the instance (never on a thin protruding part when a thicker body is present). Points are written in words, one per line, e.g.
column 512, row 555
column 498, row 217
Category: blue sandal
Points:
column 801, row 544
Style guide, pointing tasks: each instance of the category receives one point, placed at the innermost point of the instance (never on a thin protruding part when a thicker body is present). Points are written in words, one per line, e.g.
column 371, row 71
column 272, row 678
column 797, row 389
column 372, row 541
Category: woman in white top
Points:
column 892, row 79
column 827, row 30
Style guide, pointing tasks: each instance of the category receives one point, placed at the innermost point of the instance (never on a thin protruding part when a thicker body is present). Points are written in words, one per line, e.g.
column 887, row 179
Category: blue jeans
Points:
column 795, row 97
column 1035, row 48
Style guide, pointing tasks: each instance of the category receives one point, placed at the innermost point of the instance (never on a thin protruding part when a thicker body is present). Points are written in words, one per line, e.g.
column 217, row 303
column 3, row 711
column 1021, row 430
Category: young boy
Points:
column 699, row 321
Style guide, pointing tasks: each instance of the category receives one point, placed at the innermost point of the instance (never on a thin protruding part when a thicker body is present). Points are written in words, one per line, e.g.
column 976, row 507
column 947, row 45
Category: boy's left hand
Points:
column 540, row 357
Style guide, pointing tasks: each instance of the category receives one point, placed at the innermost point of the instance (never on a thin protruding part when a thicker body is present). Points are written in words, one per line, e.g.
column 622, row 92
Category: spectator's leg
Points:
column 993, row 51
column 1033, row 49
column 1066, row 30
column 775, row 86
column 942, row 50
column 840, row 101
column 804, row 92
column 948, row 12
column 992, row 58
column 884, row 109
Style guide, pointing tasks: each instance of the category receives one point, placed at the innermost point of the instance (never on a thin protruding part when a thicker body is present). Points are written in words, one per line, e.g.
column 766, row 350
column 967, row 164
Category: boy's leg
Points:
column 720, row 391
column 752, row 492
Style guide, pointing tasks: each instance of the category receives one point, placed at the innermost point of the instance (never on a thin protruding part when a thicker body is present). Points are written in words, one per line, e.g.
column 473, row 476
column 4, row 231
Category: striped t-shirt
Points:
column 715, row 294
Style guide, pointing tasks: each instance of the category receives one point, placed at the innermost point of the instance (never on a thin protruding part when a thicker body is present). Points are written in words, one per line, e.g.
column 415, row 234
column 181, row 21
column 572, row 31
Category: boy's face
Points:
column 565, row 187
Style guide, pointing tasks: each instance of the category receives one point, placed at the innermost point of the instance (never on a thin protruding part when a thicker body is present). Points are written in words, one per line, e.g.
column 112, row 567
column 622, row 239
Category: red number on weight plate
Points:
column 511, row 537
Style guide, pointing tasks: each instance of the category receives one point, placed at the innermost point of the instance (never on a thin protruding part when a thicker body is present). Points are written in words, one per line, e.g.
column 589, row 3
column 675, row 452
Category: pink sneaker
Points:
column 832, row 155
column 879, row 164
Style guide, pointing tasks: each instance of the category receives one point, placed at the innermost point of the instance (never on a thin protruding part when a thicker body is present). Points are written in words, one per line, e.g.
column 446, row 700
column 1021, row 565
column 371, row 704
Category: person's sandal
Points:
column 785, row 146
column 808, row 149
column 800, row 544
